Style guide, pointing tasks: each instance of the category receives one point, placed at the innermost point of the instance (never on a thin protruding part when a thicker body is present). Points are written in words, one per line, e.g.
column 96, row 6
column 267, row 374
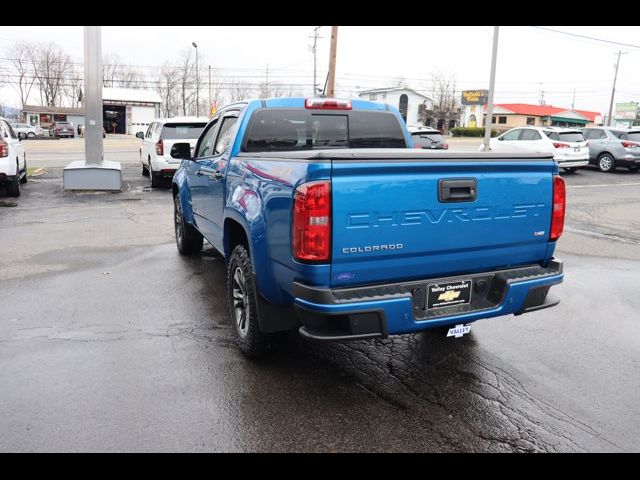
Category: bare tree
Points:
column 19, row 55
column 50, row 67
column 73, row 87
column 238, row 90
column 116, row 74
column 445, row 106
column 167, row 88
column 186, row 69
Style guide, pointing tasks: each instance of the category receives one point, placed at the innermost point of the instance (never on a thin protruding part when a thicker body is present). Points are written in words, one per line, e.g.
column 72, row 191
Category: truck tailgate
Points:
column 419, row 218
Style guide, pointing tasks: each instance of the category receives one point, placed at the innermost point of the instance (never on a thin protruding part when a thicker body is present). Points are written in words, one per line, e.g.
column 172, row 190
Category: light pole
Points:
column 492, row 86
column 195, row 45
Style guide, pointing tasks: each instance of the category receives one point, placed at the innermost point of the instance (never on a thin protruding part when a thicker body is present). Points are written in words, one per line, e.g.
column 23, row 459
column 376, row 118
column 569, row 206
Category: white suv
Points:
column 155, row 152
column 13, row 163
column 567, row 145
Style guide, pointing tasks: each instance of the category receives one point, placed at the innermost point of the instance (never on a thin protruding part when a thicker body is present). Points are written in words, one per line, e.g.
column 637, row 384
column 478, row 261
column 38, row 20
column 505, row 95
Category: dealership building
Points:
column 125, row 111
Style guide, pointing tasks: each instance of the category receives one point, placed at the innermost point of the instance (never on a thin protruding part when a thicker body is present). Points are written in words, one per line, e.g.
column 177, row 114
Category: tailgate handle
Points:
column 457, row 190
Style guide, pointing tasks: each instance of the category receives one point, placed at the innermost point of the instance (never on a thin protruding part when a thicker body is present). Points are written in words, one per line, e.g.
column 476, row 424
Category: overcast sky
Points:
column 529, row 59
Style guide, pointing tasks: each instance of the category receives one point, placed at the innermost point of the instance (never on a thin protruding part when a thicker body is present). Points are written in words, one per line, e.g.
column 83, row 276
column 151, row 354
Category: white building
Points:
column 404, row 99
column 129, row 110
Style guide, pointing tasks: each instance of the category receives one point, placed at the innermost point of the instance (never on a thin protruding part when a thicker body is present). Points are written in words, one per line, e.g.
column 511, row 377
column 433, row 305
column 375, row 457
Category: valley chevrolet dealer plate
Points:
column 448, row 294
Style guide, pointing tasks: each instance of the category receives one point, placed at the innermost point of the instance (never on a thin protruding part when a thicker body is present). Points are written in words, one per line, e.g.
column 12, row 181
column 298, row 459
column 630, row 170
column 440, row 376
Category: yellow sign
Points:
column 214, row 108
column 448, row 296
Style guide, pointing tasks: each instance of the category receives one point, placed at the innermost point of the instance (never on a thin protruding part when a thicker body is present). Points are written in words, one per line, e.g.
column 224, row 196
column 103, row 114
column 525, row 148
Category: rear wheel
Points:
column 154, row 177
column 188, row 239
column 606, row 163
column 242, row 305
column 24, row 177
column 13, row 188
column 31, row 135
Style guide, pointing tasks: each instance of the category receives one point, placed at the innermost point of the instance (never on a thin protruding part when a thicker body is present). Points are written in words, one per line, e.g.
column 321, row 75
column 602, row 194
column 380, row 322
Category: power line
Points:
column 587, row 37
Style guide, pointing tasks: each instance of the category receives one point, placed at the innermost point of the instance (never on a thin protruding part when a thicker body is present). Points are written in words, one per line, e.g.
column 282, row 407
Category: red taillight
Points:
column 561, row 145
column 160, row 148
column 327, row 104
column 4, row 149
column 312, row 222
column 630, row 144
column 445, row 146
column 417, row 147
column 559, row 203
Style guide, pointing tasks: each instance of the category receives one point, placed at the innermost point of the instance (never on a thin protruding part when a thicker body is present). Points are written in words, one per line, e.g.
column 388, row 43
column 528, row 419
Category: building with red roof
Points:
column 512, row 115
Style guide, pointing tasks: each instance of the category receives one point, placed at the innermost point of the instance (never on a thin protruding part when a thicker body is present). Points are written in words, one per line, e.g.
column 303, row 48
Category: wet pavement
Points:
column 112, row 341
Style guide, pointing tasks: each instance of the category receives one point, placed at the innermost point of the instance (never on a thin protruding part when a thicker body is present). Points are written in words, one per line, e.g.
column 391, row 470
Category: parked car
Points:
column 24, row 130
column 13, row 161
column 610, row 148
column 155, row 152
column 332, row 224
column 567, row 145
column 61, row 129
column 427, row 138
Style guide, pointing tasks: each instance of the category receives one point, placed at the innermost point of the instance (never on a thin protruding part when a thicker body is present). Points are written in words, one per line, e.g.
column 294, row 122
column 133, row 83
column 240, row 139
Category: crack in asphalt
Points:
column 459, row 394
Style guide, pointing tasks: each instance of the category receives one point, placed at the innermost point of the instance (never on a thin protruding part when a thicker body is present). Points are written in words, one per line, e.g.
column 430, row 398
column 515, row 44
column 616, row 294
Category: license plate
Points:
column 448, row 294
column 576, row 149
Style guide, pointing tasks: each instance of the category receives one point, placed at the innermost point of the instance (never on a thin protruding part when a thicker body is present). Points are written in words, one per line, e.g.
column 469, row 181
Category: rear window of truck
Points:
column 272, row 130
column 182, row 131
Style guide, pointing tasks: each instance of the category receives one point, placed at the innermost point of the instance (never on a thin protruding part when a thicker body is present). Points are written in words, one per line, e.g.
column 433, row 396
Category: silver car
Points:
column 613, row 147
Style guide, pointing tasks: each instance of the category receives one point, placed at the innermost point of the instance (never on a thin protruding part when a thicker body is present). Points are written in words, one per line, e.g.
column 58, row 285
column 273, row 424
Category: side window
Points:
column 598, row 134
column 530, row 135
column 512, row 135
column 4, row 133
column 225, row 136
column 587, row 133
column 205, row 148
column 10, row 130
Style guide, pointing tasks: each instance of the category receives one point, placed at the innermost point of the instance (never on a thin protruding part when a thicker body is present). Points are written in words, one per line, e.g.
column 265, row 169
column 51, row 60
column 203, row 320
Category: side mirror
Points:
column 501, row 138
column 181, row 151
column 140, row 134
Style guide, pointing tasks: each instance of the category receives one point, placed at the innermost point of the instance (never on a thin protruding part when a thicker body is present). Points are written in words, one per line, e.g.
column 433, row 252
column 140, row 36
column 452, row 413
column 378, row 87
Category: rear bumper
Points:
column 573, row 163
column 382, row 310
column 628, row 159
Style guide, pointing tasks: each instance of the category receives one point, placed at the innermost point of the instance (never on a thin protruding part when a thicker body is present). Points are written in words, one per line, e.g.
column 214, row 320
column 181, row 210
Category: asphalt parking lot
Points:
column 112, row 341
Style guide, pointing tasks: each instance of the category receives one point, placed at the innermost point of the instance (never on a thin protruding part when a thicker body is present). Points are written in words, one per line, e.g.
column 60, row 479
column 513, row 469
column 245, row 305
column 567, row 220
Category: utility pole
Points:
column 492, row 85
column 195, row 45
column 314, row 49
column 613, row 90
column 331, row 77
column 210, row 99
column 573, row 102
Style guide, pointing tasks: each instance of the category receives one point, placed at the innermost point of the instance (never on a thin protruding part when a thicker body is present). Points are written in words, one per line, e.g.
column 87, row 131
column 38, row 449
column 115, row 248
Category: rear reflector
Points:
column 559, row 204
column 327, row 104
column 312, row 222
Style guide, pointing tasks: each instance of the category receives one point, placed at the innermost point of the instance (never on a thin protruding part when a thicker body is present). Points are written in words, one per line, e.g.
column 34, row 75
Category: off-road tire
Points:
column 188, row 239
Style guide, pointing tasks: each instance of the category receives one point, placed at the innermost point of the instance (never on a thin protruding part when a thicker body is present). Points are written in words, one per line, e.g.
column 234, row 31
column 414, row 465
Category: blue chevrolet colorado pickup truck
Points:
column 331, row 223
